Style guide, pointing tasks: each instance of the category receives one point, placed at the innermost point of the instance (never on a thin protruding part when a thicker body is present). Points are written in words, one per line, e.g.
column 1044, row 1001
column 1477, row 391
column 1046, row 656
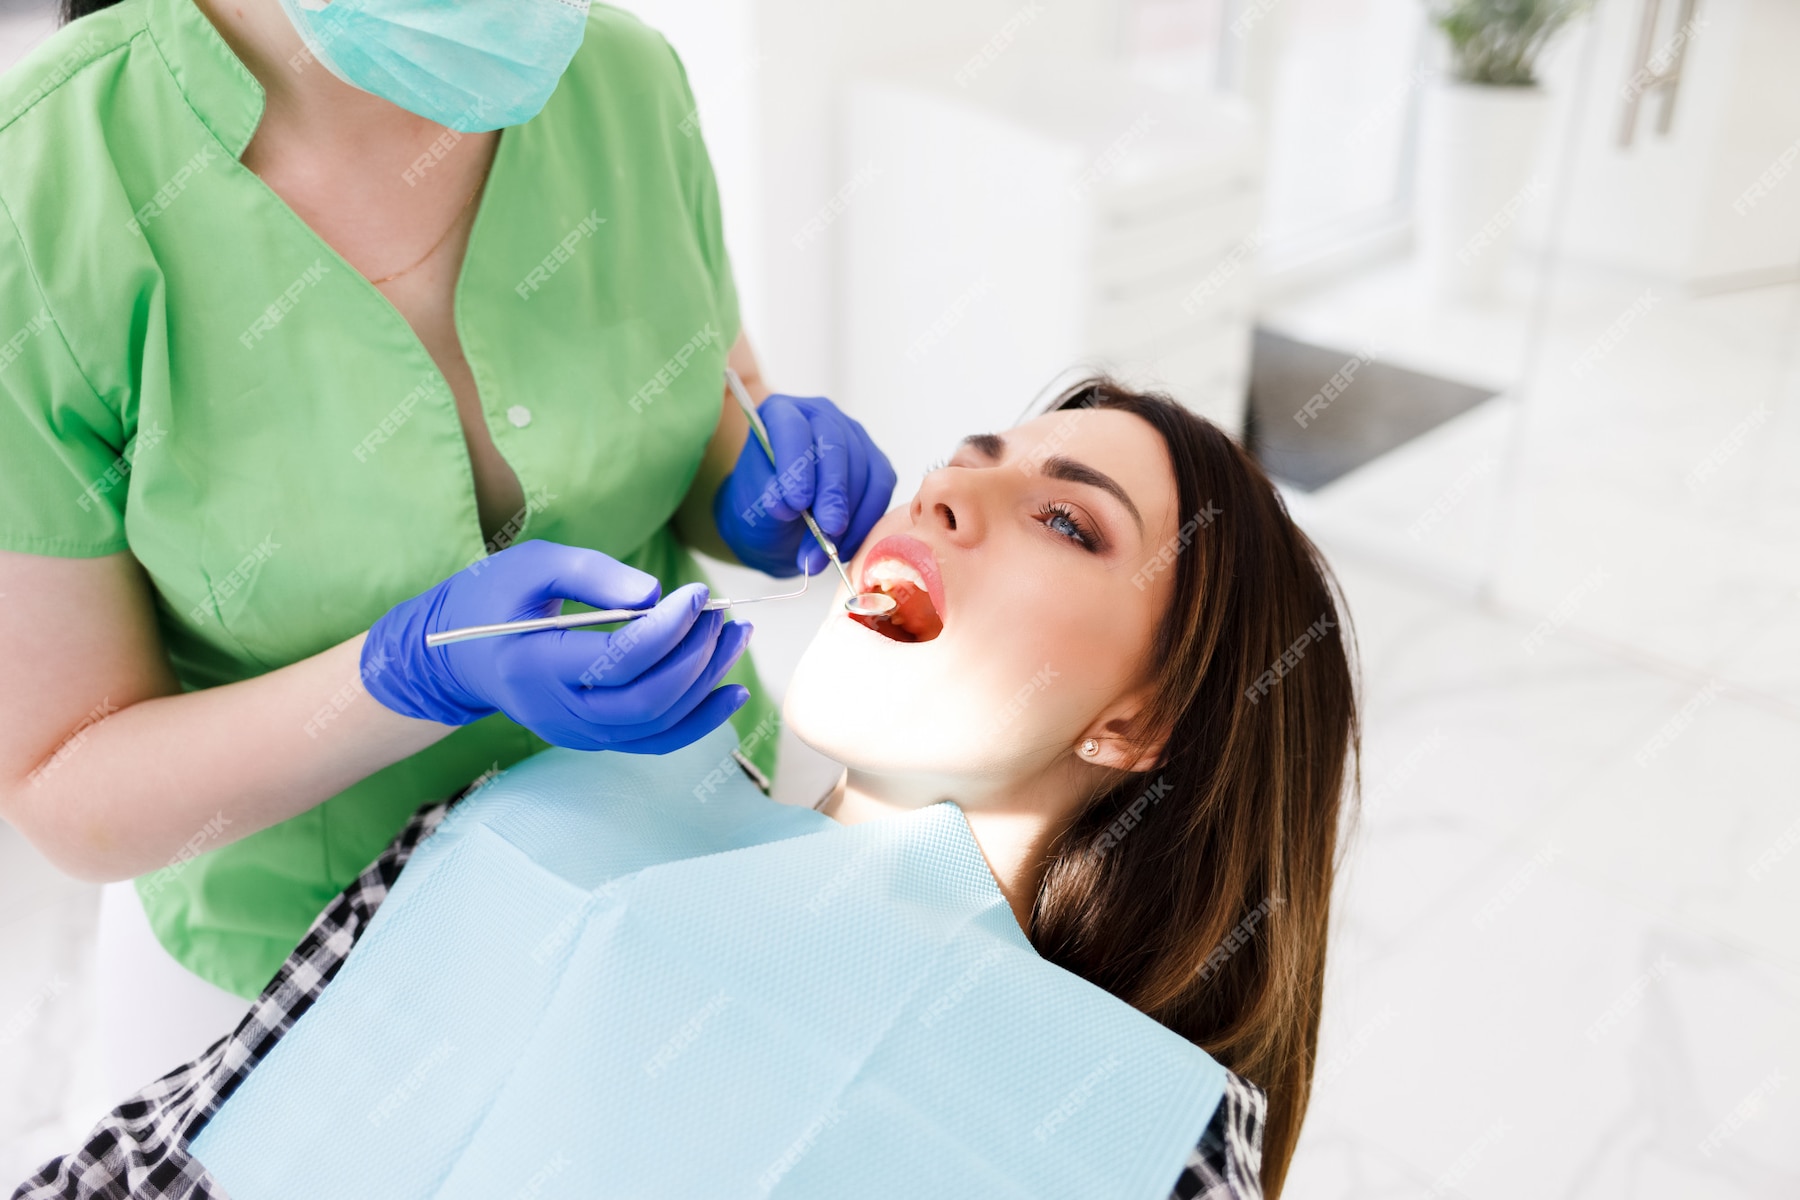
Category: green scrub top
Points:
column 188, row 372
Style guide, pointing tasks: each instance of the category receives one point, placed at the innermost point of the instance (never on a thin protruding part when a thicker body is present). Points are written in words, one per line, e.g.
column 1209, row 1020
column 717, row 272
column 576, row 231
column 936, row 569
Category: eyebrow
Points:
column 992, row 446
column 988, row 445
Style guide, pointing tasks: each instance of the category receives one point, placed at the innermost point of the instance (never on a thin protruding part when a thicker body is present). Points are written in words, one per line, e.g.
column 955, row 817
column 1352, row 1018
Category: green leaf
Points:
column 1497, row 42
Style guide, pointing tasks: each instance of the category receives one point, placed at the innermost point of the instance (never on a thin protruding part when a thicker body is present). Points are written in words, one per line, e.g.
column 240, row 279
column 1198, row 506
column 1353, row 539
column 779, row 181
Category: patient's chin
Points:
column 879, row 703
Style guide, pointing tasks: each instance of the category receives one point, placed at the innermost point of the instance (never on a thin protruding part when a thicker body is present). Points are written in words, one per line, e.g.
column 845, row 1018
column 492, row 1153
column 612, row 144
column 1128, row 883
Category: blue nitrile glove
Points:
column 646, row 688
column 828, row 463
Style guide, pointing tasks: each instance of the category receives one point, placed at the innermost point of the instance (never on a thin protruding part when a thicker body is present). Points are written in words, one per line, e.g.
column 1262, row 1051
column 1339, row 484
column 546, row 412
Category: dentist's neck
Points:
column 1013, row 827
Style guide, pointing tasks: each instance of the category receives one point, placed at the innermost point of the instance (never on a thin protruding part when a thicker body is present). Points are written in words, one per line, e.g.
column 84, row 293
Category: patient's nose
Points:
column 949, row 502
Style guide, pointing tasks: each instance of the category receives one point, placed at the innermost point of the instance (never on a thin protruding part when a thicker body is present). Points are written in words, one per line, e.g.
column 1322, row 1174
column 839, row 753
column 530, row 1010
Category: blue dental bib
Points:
column 616, row 975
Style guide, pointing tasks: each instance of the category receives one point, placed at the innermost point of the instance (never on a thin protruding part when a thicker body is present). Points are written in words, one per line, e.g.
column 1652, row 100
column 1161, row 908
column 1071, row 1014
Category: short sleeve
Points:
column 63, row 460
column 709, row 222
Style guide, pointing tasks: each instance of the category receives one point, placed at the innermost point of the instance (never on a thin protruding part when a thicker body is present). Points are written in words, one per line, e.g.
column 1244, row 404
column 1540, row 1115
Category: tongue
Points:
column 913, row 619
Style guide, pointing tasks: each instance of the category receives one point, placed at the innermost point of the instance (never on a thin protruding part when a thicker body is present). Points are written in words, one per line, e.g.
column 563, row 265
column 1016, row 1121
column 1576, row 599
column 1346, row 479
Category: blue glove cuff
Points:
column 395, row 671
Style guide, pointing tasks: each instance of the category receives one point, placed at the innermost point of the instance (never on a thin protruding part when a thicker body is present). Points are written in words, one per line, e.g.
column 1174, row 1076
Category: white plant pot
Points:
column 1478, row 150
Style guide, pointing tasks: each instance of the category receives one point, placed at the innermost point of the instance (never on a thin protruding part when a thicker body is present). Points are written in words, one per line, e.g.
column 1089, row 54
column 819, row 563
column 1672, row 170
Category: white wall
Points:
column 1664, row 205
column 774, row 130
column 23, row 24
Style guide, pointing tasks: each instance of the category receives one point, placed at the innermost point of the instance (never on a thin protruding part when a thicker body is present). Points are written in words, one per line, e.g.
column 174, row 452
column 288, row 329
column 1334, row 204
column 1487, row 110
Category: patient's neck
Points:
column 1014, row 824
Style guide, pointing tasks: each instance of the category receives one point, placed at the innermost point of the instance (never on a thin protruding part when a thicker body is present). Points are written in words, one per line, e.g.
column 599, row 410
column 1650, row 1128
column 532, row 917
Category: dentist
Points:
column 325, row 325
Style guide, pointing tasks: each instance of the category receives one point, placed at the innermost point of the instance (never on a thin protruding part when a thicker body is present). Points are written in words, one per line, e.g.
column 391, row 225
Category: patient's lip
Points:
column 918, row 556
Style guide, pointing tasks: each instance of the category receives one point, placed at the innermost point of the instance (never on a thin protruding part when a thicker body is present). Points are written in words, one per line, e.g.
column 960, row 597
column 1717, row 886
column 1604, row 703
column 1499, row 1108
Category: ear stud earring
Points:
column 1090, row 747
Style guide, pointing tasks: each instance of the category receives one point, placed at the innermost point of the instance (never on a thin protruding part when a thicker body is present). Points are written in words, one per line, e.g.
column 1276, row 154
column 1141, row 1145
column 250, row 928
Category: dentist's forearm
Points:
column 158, row 780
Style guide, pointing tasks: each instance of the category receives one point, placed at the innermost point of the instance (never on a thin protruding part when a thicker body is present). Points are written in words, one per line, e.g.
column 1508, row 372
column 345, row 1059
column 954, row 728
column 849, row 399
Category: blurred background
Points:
column 1514, row 322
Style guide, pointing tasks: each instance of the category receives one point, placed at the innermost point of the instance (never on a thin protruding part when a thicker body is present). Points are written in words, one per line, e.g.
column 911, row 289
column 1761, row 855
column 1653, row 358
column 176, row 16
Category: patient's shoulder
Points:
column 1227, row 1164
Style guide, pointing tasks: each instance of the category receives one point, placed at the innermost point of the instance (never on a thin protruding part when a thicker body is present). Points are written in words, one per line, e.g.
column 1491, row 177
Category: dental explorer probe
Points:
column 599, row 616
column 862, row 604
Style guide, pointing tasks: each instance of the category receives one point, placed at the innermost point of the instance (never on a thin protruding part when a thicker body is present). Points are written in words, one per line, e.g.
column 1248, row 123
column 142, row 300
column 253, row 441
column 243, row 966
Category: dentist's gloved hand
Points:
column 828, row 463
column 646, row 688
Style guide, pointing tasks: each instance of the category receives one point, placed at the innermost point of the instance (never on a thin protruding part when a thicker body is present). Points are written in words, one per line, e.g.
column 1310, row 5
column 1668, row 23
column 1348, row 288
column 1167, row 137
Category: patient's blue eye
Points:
column 1060, row 518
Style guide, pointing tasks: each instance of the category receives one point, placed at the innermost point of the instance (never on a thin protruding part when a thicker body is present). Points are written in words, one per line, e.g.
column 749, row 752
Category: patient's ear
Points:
column 1123, row 742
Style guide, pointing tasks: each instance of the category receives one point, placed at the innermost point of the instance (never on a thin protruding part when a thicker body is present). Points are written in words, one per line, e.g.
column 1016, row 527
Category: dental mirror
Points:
column 870, row 604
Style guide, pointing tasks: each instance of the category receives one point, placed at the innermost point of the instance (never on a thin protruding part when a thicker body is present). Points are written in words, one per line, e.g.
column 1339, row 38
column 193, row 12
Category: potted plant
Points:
column 1482, row 130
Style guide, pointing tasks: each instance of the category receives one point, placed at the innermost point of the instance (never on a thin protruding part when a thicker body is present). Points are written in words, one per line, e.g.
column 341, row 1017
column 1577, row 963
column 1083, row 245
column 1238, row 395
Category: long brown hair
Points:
column 1199, row 891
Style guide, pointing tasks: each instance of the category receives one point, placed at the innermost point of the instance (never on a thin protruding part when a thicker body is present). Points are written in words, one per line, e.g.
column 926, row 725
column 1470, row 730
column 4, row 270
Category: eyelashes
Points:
column 1064, row 521
column 1060, row 518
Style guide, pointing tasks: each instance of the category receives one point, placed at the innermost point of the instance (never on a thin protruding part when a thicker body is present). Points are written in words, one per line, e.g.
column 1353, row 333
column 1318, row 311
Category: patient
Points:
column 1120, row 658
column 1129, row 674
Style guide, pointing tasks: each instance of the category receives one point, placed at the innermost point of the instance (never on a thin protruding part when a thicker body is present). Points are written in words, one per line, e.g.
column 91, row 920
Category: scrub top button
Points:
column 519, row 415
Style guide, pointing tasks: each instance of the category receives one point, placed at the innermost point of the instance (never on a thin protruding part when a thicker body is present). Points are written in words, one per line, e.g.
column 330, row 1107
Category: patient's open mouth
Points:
column 905, row 569
column 913, row 618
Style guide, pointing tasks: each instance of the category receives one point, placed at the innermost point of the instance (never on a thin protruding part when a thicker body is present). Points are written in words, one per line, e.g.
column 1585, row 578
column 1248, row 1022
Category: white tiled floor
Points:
column 1551, row 959
column 1567, row 963
column 47, row 1069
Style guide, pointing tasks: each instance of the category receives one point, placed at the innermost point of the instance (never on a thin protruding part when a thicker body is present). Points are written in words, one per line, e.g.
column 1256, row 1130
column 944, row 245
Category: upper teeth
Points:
column 884, row 573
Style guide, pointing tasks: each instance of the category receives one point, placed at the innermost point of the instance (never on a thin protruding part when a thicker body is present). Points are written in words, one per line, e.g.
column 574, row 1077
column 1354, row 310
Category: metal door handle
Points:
column 1647, row 76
